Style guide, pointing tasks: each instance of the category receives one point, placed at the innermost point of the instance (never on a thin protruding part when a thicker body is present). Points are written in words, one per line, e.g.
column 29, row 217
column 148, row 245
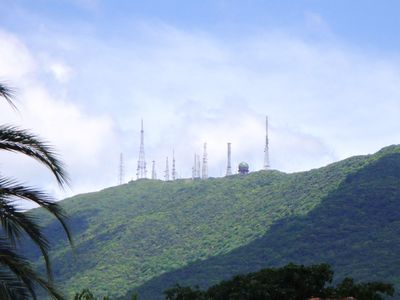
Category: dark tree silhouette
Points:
column 291, row 282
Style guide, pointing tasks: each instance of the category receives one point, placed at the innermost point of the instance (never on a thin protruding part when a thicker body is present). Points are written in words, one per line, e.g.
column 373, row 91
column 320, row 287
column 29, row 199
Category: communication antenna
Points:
column 204, row 173
column 198, row 166
column 194, row 169
column 121, row 169
column 141, row 167
column 229, row 168
column 173, row 166
column 266, row 149
column 166, row 174
column 153, row 171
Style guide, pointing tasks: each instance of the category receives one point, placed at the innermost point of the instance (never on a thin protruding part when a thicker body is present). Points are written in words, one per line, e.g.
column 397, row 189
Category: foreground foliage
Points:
column 17, row 277
column 86, row 294
column 292, row 282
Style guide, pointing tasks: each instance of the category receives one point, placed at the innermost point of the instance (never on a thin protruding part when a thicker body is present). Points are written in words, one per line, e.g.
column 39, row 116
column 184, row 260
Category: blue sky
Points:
column 326, row 72
column 365, row 23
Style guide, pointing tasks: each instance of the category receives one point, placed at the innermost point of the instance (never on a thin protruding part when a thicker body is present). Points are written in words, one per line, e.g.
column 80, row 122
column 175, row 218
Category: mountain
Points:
column 147, row 235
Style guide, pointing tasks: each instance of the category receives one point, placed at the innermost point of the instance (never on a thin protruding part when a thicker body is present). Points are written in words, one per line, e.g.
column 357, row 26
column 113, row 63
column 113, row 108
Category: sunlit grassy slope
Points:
column 150, row 234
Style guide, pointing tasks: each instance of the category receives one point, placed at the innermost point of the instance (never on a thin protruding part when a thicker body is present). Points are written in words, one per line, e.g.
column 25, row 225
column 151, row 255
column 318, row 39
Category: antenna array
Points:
column 204, row 173
column 174, row 175
column 166, row 174
column 121, row 170
column 196, row 167
column 141, row 167
column 153, row 171
column 199, row 169
column 229, row 167
column 266, row 149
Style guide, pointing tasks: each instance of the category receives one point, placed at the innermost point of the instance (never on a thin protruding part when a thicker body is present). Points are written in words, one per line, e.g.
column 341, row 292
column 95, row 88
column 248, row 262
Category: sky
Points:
column 86, row 72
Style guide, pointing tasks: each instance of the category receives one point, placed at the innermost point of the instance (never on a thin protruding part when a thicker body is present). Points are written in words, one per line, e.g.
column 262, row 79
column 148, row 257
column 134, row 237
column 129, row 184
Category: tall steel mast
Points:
column 141, row 167
column 266, row 149
column 229, row 167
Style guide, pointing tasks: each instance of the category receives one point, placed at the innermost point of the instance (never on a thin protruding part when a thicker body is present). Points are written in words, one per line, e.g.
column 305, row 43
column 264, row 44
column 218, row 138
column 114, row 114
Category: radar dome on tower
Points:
column 243, row 168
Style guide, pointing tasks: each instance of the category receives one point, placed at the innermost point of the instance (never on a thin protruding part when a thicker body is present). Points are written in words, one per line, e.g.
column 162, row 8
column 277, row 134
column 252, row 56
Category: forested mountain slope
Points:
column 355, row 228
column 151, row 234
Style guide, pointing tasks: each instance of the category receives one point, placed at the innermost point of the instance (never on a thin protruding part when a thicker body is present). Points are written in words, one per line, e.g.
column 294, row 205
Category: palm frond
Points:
column 7, row 93
column 24, row 272
column 11, row 288
column 15, row 222
column 22, row 141
column 9, row 188
column 17, row 278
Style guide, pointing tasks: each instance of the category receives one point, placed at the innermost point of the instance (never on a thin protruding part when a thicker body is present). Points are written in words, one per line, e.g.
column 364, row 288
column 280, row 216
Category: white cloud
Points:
column 16, row 61
column 60, row 71
column 326, row 101
column 316, row 22
column 82, row 140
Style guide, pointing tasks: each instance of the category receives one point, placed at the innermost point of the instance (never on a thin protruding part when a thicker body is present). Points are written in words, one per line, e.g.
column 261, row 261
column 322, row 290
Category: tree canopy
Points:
column 291, row 282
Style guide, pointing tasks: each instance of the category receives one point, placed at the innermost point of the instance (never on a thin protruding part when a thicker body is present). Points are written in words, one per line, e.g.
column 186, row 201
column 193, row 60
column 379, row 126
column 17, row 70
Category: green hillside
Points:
column 150, row 234
column 355, row 228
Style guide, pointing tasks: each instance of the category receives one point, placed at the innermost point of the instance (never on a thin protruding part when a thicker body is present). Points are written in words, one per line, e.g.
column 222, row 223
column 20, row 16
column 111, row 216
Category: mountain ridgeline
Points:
column 147, row 235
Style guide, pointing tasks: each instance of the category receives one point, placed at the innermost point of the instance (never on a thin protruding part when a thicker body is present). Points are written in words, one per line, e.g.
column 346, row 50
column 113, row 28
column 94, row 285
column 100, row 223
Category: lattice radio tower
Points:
column 153, row 170
column 204, row 173
column 141, row 167
column 194, row 167
column 121, row 170
column 166, row 174
column 229, row 168
column 198, row 166
column 174, row 174
column 266, row 149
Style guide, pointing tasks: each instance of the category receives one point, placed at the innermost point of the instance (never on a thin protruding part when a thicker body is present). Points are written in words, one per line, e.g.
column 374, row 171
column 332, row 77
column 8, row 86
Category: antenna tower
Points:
column 229, row 168
column 166, row 175
column 141, row 167
column 121, row 169
column 173, row 166
column 198, row 166
column 153, row 171
column 194, row 171
column 266, row 149
column 204, row 173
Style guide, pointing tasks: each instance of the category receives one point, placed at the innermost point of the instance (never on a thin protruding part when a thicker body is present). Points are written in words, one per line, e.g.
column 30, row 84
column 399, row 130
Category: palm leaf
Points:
column 10, row 188
column 11, row 287
column 21, row 141
column 17, row 278
column 23, row 271
column 15, row 222
column 7, row 93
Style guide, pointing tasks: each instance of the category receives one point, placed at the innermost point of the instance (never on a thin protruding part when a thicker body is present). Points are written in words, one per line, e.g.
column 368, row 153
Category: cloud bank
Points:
column 325, row 100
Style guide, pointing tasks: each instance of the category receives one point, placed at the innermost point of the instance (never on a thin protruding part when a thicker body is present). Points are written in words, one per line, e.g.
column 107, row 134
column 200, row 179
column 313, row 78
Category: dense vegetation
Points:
column 292, row 282
column 355, row 228
column 148, row 235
